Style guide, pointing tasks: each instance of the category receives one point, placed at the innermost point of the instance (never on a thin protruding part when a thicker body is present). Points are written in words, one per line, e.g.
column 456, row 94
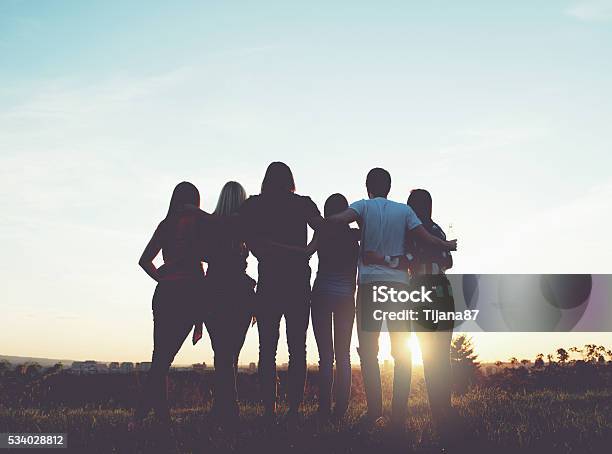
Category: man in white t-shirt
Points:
column 384, row 225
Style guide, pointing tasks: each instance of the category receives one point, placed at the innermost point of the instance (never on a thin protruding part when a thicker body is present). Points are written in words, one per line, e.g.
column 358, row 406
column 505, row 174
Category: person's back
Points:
column 383, row 224
column 179, row 242
column 426, row 258
column 225, row 253
column 338, row 252
column 333, row 308
column 280, row 218
column 276, row 229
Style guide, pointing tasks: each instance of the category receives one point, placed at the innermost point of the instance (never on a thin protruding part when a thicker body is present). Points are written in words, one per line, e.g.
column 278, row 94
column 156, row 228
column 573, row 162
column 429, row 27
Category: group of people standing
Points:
column 395, row 242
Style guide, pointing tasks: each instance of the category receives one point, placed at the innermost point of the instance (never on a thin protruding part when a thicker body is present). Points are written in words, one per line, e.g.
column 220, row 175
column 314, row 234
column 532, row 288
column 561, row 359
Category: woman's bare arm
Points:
column 149, row 254
column 311, row 248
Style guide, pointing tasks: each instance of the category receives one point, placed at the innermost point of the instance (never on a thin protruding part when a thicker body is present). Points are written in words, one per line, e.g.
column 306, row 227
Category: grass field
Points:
column 489, row 420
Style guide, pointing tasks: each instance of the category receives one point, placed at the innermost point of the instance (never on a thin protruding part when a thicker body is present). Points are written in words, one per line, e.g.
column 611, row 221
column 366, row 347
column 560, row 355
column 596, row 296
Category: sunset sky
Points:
column 501, row 109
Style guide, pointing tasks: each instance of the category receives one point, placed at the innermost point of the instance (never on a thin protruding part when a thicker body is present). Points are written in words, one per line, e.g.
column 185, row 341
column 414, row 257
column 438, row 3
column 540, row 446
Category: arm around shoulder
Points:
column 421, row 234
column 345, row 217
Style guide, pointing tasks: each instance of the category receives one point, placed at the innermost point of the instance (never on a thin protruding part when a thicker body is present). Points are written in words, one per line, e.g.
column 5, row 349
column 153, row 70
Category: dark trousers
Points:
column 227, row 324
column 339, row 312
column 370, row 369
column 173, row 308
column 277, row 297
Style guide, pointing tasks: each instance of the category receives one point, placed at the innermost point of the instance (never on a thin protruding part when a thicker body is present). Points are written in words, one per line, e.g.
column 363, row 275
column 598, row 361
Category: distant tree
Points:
column 464, row 362
column 562, row 355
column 514, row 361
column 550, row 359
column 5, row 366
column 539, row 361
column 30, row 370
column 524, row 362
column 576, row 350
column 462, row 351
column 54, row 369
column 592, row 352
column 499, row 363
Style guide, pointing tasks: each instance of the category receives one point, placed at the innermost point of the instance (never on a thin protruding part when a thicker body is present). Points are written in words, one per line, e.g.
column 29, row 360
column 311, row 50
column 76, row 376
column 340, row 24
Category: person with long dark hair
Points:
column 278, row 215
column 333, row 306
column 427, row 261
column 177, row 294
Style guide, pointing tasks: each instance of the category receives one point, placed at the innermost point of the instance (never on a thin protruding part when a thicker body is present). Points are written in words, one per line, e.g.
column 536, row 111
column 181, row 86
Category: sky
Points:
column 502, row 110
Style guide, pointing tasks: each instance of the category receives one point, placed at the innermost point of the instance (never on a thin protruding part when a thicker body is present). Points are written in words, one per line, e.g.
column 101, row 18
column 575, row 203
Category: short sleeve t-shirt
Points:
column 384, row 224
column 281, row 218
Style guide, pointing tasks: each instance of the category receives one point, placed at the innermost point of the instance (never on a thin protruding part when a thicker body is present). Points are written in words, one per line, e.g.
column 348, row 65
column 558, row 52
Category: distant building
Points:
column 113, row 368
column 89, row 367
column 85, row 367
column 126, row 367
column 199, row 367
column 144, row 366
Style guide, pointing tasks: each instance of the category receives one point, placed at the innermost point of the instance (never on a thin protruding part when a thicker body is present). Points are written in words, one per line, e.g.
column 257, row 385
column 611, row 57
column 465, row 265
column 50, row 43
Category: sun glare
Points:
column 384, row 345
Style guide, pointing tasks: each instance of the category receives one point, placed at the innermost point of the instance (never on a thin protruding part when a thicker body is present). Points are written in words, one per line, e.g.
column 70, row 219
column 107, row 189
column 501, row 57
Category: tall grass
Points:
column 488, row 420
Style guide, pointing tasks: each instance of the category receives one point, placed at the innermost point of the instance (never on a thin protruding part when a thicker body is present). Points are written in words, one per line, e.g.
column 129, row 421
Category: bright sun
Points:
column 384, row 345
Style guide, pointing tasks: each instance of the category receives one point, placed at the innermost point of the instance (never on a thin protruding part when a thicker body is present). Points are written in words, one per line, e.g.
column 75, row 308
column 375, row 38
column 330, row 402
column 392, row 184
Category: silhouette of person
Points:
column 333, row 305
column 384, row 225
column 428, row 260
column 178, row 290
column 428, row 263
column 231, row 293
column 279, row 216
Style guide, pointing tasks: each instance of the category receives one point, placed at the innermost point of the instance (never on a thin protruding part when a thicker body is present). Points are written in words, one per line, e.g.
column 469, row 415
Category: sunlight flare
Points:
column 384, row 346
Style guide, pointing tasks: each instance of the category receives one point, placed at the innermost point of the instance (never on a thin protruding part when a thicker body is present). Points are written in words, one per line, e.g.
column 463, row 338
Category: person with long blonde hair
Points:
column 230, row 292
column 232, row 196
